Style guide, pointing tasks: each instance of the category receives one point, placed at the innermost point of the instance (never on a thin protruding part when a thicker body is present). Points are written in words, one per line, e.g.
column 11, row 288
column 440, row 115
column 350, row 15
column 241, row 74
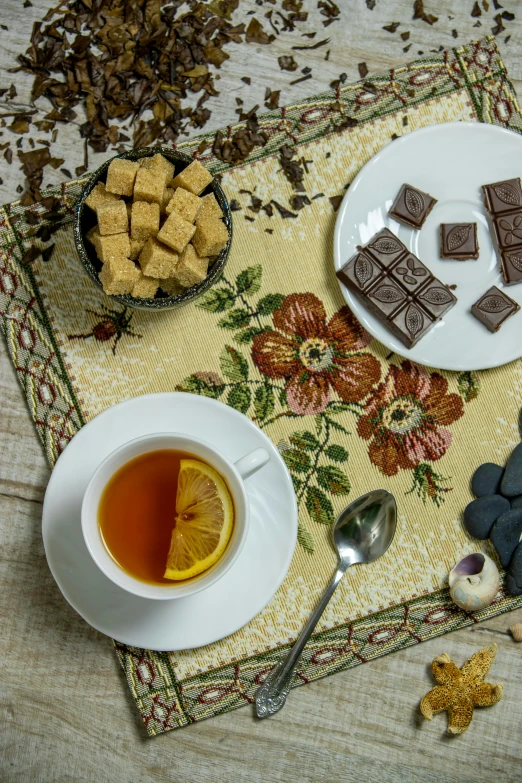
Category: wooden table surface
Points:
column 66, row 713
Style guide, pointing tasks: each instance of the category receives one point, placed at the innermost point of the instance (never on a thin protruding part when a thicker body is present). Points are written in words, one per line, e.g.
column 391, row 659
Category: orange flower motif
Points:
column 315, row 355
column 405, row 418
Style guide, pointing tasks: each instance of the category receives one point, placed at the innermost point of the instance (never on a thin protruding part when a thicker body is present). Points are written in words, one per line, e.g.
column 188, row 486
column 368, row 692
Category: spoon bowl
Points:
column 365, row 529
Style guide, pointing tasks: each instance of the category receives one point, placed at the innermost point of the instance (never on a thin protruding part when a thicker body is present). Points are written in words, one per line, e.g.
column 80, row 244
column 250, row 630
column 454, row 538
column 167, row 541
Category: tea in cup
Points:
column 166, row 515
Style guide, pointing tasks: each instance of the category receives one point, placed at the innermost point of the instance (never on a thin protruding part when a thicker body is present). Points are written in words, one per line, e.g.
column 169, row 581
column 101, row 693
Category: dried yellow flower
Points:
column 460, row 690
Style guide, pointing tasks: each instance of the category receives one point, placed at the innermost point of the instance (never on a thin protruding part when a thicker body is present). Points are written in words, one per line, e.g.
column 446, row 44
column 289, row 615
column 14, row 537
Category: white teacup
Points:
column 234, row 474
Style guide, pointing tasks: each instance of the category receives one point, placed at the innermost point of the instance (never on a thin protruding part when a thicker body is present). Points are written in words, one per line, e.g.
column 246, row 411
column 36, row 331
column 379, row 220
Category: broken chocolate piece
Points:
column 493, row 308
column 412, row 206
column 459, row 241
column 504, row 204
column 396, row 287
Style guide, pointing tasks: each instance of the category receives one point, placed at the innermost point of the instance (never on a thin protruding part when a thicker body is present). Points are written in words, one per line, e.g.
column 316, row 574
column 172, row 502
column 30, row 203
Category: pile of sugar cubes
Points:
column 173, row 234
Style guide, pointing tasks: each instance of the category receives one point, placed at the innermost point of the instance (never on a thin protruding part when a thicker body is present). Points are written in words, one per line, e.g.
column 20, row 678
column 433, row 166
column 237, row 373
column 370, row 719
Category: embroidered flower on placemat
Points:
column 314, row 355
column 405, row 418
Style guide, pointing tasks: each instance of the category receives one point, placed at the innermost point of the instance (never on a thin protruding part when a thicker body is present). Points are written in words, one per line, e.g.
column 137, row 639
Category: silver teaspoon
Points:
column 362, row 533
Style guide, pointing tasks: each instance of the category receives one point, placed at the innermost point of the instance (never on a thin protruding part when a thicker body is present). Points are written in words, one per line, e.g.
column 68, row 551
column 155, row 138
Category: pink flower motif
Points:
column 405, row 418
column 315, row 355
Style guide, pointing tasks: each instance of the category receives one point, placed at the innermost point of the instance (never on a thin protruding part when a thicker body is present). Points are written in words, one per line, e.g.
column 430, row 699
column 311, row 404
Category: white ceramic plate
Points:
column 450, row 161
column 184, row 622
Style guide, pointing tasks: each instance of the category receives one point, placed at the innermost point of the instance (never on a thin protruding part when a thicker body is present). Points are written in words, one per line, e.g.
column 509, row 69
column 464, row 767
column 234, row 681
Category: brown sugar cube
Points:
column 112, row 246
column 149, row 185
column 119, row 276
column 191, row 269
column 92, row 235
column 136, row 247
column 176, row 232
column 209, row 207
column 159, row 163
column 172, row 287
column 98, row 196
column 145, row 220
column 156, row 260
column 185, row 204
column 167, row 195
column 210, row 238
column 145, row 287
column 194, row 178
column 112, row 218
column 121, row 175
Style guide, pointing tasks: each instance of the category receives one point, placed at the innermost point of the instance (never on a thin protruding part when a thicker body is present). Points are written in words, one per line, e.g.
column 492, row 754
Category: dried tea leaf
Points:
column 313, row 46
column 299, row 201
column 329, row 9
column 476, row 11
column 302, row 79
column 285, row 213
column 405, row 35
column 256, row 34
column 420, row 13
column 335, row 201
column 272, row 98
column 287, row 63
column 47, row 253
column 19, row 126
column 391, row 28
column 30, row 255
column 363, row 70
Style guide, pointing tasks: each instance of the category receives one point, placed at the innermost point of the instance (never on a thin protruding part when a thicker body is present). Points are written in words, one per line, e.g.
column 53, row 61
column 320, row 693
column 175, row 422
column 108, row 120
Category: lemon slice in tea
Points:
column 203, row 523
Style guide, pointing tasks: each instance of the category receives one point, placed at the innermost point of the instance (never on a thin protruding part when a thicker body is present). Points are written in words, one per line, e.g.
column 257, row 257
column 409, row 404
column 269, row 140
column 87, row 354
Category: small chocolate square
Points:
column 360, row 270
column 503, row 196
column 410, row 273
column 493, row 308
column 412, row 206
column 436, row 298
column 412, row 323
column 385, row 247
column 459, row 241
column 386, row 296
column 509, row 229
column 512, row 266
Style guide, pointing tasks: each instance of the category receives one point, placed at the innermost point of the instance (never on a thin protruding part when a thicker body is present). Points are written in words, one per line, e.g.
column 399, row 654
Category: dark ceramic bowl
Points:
column 85, row 219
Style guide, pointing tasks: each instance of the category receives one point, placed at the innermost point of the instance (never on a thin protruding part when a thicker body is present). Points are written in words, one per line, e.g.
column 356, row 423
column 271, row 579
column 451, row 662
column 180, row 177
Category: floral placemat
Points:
column 274, row 339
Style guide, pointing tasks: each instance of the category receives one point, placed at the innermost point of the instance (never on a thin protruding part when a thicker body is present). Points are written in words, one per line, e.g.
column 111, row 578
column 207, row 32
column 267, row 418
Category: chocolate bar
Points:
column 458, row 241
column 493, row 308
column 412, row 206
column 396, row 287
column 504, row 204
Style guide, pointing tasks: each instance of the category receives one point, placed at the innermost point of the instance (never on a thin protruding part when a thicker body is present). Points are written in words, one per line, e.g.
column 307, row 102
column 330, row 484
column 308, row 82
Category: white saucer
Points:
column 184, row 622
column 450, row 162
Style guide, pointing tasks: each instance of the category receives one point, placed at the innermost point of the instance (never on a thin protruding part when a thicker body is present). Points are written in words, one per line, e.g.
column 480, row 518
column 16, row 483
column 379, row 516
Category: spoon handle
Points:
column 271, row 696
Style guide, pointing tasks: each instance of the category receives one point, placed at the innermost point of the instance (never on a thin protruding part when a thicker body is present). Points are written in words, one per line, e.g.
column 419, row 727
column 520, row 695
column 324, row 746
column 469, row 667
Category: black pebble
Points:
column 486, row 479
column 511, row 485
column 513, row 583
column 481, row 514
column 516, row 502
column 505, row 534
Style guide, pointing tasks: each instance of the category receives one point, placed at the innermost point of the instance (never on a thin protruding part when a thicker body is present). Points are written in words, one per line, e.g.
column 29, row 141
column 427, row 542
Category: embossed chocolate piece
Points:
column 412, row 206
column 493, row 308
column 504, row 204
column 396, row 287
column 459, row 241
